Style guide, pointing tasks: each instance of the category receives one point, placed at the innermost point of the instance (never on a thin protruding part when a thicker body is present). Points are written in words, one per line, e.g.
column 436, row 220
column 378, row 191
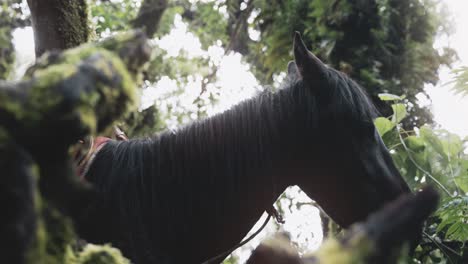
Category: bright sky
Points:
column 450, row 111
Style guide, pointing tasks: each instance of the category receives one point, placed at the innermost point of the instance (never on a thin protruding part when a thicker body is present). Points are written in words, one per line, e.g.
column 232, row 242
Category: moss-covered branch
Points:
column 17, row 191
column 62, row 98
column 79, row 91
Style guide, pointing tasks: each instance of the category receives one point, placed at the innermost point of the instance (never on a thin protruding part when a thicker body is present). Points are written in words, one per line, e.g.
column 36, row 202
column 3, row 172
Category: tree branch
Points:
column 238, row 28
column 149, row 16
column 17, row 186
column 62, row 98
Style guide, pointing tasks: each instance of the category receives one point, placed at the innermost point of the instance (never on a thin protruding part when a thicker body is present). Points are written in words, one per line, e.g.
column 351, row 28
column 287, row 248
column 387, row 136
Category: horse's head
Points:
column 356, row 172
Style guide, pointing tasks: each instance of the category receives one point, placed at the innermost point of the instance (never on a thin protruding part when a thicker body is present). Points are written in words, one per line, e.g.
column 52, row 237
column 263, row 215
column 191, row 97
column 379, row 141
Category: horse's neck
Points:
column 199, row 190
column 230, row 168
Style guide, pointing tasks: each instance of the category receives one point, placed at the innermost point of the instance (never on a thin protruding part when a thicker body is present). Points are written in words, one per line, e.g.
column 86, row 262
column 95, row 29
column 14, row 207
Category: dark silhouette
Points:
column 185, row 196
column 18, row 221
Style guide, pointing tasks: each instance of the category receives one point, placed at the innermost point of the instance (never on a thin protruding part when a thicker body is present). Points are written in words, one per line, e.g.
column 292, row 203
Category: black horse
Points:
column 188, row 195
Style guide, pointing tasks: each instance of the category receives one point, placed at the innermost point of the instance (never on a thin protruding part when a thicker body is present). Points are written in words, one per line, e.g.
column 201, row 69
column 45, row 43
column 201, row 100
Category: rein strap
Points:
column 223, row 255
column 271, row 212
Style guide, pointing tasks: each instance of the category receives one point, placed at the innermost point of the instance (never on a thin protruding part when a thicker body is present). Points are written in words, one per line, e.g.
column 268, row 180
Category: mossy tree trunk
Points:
column 62, row 98
column 58, row 24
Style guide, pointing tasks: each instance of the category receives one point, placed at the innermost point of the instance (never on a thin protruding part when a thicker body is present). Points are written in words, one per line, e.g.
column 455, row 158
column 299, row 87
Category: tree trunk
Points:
column 149, row 16
column 58, row 24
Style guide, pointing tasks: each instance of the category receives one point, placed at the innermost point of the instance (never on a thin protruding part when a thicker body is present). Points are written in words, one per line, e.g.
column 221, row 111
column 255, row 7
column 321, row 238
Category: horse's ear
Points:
column 293, row 72
column 308, row 65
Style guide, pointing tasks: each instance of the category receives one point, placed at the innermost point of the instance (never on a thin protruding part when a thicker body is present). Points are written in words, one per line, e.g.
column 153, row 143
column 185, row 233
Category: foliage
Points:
column 209, row 25
column 11, row 17
column 437, row 157
column 387, row 46
column 454, row 218
column 112, row 16
column 460, row 81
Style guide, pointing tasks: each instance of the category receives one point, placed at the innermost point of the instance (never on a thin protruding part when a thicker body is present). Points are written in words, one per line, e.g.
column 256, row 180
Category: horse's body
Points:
column 186, row 196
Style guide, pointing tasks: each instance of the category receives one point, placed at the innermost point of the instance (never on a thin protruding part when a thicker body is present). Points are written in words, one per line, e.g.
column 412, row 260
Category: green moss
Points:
column 74, row 21
column 41, row 98
column 122, row 43
column 60, row 233
column 54, row 235
column 103, row 103
column 355, row 251
column 54, row 231
column 118, row 41
column 88, row 119
column 98, row 254
column 108, row 102
column 55, row 240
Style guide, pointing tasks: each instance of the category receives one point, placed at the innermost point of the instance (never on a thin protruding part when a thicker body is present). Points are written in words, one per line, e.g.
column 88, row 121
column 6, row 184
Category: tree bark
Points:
column 237, row 28
column 58, row 24
column 149, row 16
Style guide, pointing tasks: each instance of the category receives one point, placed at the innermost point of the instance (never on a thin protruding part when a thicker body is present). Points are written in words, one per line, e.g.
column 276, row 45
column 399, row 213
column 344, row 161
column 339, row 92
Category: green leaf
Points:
column 390, row 97
column 429, row 136
column 460, row 81
column 399, row 113
column 452, row 213
column 383, row 125
column 462, row 179
column 415, row 143
column 462, row 182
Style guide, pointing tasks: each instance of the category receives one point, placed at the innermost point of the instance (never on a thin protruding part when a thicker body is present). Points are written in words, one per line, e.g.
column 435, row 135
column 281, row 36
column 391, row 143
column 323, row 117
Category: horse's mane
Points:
column 153, row 184
column 350, row 97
